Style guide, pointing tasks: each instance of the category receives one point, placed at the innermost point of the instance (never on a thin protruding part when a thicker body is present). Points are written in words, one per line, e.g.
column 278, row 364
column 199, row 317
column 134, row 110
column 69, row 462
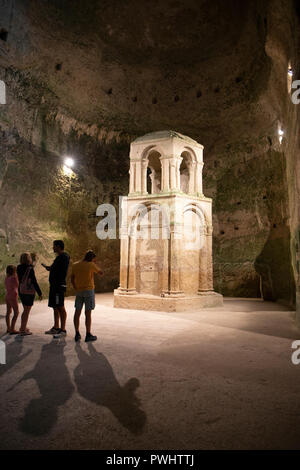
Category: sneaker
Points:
column 52, row 331
column 60, row 334
column 77, row 336
column 90, row 337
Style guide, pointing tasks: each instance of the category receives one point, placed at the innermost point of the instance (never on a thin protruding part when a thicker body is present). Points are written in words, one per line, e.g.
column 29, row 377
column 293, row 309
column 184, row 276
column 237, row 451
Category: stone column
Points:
column 152, row 178
column 124, row 264
column 131, row 285
column 198, row 182
column 205, row 264
column 162, row 175
column 144, row 176
column 165, row 268
column 132, row 177
column 178, row 163
column 165, row 186
column 210, row 280
column 138, row 177
column 175, row 253
column 192, row 167
column 173, row 182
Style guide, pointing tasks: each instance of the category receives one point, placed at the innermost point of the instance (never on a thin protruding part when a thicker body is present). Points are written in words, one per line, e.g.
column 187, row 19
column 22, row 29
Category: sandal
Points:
column 15, row 332
column 25, row 333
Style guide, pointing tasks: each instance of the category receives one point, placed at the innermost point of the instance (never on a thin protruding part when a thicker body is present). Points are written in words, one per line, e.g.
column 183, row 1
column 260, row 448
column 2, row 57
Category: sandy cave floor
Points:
column 221, row 378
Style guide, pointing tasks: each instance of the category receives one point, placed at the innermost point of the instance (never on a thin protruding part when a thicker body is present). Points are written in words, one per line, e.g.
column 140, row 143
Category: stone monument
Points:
column 166, row 228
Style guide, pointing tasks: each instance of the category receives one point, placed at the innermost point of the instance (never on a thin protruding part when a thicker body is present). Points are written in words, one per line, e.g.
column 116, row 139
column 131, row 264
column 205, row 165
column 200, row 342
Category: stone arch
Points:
column 151, row 160
column 199, row 211
column 194, row 227
column 187, row 171
column 191, row 152
column 154, row 166
column 146, row 207
column 196, row 249
column 150, row 148
column 147, row 253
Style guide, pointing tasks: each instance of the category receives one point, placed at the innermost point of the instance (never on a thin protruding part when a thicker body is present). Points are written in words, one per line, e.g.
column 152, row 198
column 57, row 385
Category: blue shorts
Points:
column 86, row 297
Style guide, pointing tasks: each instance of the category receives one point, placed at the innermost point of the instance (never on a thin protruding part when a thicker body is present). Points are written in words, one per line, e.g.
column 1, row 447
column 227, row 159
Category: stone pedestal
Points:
column 168, row 303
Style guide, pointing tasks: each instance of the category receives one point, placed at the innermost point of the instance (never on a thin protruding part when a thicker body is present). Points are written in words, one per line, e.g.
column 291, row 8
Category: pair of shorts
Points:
column 86, row 297
column 27, row 299
column 12, row 302
column 56, row 297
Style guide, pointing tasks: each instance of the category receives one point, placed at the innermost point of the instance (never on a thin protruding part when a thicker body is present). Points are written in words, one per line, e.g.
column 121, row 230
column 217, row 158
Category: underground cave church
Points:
column 166, row 229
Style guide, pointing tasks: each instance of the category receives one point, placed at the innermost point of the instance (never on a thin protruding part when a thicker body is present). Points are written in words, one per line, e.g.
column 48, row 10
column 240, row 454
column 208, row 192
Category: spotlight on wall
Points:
column 280, row 134
column 69, row 162
column 68, row 165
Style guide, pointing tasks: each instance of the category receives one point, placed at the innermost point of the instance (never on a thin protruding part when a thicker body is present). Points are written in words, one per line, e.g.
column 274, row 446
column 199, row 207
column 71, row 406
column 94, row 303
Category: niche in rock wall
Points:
column 3, row 35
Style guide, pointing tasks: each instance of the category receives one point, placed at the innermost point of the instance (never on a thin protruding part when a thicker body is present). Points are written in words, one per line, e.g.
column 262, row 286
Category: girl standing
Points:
column 11, row 287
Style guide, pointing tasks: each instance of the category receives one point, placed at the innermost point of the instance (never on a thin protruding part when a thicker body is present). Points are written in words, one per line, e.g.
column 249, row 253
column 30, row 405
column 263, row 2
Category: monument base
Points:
column 167, row 303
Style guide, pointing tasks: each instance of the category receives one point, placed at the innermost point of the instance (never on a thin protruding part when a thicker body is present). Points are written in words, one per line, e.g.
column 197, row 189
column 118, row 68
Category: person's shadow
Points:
column 14, row 354
column 55, row 386
column 96, row 382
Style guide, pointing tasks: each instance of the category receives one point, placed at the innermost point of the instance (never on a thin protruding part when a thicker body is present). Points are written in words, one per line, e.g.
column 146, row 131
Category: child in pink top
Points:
column 11, row 286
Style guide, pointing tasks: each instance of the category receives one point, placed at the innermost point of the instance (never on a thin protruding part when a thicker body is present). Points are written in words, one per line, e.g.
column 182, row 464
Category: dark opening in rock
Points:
column 199, row 94
column 134, row 99
column 109, row 91
column 154, row 100
column 176, row 98
column 58, row 66
column 238, row 79
column 3, row 35
column 217, row 89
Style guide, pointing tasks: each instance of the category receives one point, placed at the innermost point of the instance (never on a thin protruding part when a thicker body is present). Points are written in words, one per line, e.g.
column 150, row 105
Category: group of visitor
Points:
column 21, row 281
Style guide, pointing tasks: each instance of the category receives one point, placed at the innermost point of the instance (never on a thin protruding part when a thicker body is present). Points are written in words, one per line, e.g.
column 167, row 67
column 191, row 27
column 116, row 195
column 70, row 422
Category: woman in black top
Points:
column 26, row 298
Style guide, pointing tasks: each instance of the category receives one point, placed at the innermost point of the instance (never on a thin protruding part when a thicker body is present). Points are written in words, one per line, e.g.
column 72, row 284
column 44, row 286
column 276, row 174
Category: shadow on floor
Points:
column 249, row 305
column 55, row 386
column 96, row 382
column 13, row 353
column 249, row 315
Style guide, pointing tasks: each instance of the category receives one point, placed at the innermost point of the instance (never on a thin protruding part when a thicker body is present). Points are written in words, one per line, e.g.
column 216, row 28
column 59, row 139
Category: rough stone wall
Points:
column 86, row 80
column 39, row 203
